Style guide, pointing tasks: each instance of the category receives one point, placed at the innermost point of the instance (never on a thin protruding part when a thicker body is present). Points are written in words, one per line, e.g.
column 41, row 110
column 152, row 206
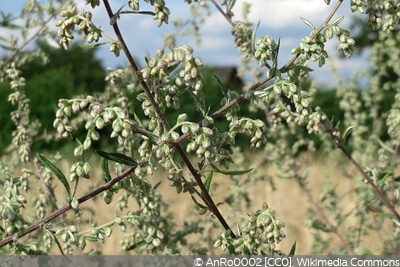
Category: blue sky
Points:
column 278, row 18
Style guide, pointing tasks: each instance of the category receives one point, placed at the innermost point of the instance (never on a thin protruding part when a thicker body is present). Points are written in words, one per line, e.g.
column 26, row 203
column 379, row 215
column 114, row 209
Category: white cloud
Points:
column 284, row 13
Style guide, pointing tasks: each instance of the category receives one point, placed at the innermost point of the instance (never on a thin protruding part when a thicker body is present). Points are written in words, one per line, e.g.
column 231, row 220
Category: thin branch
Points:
column 223, row 13
column 369, row 181
column 206, row 196
column 322, row 213
column 40, row 224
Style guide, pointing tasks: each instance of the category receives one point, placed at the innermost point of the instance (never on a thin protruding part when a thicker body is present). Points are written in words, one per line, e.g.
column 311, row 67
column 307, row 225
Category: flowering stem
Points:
column 205, row 195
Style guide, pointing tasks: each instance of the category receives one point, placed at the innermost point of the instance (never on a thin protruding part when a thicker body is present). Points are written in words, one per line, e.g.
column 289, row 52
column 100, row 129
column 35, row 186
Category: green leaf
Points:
column 275, row 59
column 222, row 86
column 207, row 182
column 384, row 146
column 383, row 177
column 136, row 245
column 346, row 134
column 338, row 20
column 106, row 170
column 55, row 240
column 94, row 45
column 231, row 172
column 47, row 163
column 293, row 249
column 230, row 6
column 118, row 157
column 309, row 24
column 198, row 204
column 385, row 215
column 150, row 13
column 319, row 225
column 253, row 37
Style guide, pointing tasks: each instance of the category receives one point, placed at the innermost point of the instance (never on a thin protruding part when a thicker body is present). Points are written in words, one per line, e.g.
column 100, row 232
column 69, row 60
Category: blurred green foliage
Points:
column 66, row 74
column 78, row 71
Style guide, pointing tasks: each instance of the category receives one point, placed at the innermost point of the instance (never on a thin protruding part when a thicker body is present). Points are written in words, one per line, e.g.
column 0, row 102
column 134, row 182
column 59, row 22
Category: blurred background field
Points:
column 290, row 202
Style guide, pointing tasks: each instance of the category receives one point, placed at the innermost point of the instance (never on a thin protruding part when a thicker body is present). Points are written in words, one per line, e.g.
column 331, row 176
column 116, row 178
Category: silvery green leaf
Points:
column 309, row 24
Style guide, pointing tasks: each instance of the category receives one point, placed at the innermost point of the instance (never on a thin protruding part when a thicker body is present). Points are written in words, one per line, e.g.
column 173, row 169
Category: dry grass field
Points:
column 289, row 201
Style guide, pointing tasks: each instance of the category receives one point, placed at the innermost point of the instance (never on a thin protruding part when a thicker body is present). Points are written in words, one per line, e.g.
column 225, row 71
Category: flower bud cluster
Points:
column 134, row 4
column 84, row 22
column 318, row 121
column 166, row 88
column 381, row 14
column 69, row 235
column 65, row 110
column 263, row 228
column 12, row 201
column 254, row 128
column 267, row 50
column 146, row 222
column 79, row 170
column 393, row 121
column 243, row 39
column 298, row 97
column 346, row 43
column 201, row 142
column 258, row 236
column 313, row 48
column 161, row 12
column 41, row 203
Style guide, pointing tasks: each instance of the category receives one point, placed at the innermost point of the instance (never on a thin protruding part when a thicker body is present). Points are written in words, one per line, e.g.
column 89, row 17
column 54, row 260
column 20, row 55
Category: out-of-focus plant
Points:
column 143, row 145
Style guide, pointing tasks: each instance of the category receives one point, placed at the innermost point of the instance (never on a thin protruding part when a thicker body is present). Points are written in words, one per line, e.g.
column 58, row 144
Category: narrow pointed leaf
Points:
column 106, row 170
column 198, row 204
column 338, row 20
column 117, row 157
column 207, row 182
column 253, row 37
column 384, row 146
column 94, row 45
column 293, row 249
column 231, row 172
column 55, row 240
column 222, row 86
column 136, row 245
column 48, row 164
column 308, row 23
column 346, row 133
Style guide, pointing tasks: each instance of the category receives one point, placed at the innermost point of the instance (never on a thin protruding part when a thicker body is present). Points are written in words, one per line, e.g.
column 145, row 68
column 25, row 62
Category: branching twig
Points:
column 40, row 224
